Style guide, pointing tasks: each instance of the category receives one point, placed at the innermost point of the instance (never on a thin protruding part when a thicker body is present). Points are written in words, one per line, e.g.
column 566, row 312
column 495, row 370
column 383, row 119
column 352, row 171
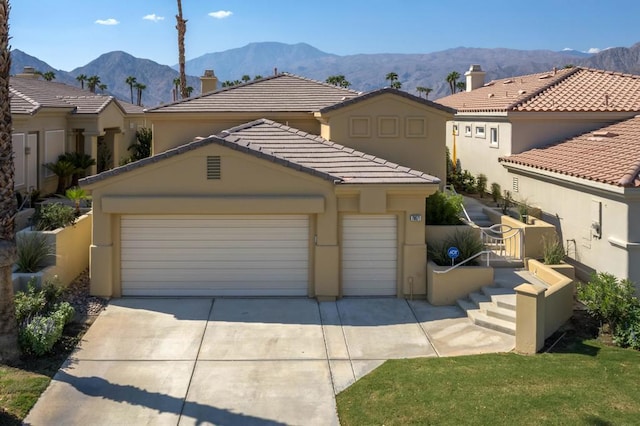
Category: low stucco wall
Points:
column 446, row 288
column 540, row 312
column 434, row 234
column 532, row 234
column 71, row 247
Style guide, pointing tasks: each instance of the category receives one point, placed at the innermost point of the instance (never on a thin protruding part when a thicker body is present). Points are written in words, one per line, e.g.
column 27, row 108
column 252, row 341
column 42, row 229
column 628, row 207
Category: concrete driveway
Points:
column 243, row 361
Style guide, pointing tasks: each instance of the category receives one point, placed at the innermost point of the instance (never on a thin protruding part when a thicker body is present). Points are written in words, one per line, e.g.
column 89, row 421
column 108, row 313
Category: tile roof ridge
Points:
column 24, row 97
column 553, row 82
column 610, row 72
column 383, row 90
column 214, row 92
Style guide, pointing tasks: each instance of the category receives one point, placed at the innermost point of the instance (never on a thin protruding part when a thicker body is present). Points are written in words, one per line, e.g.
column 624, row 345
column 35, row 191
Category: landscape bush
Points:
column 552, row 250
column 467, row 242
column 612, row 302
column 496, row 192
column 443, row 209
column 53, row 216
column 481, row 184
column 41, row 316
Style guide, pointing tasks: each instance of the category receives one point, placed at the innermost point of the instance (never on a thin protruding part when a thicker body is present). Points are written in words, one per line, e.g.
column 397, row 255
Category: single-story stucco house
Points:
column 260, row 209
column 51, row 118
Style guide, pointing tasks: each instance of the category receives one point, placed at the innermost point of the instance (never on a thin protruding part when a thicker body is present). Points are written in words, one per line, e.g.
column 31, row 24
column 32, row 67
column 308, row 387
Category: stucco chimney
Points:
column 208, row 82
column 475, row 77
column 28, row 72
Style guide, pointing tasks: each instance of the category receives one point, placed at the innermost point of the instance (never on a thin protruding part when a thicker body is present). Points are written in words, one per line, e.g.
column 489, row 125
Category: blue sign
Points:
column 453, row 252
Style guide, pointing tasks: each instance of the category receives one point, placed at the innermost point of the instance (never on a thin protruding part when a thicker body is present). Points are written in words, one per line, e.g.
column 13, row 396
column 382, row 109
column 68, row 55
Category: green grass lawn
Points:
column 588, row 383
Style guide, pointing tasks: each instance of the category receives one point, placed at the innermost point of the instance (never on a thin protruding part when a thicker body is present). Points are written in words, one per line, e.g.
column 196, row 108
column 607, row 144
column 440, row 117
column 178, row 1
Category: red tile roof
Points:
column 610, row 155
column 566, row 90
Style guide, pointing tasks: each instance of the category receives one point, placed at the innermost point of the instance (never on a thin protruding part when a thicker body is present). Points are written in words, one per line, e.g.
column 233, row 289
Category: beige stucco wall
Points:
column 517, row 132
column 393, row 128
column 446, row 288
column 250, row 185
column 175, row 129
column 568, row 206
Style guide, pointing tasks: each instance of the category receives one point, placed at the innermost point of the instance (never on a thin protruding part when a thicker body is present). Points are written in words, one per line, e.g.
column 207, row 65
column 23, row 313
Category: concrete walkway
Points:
column 243, row 361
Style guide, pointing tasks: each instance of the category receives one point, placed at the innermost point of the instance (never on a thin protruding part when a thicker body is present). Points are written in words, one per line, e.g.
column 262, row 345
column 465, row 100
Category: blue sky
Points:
column 70, row 33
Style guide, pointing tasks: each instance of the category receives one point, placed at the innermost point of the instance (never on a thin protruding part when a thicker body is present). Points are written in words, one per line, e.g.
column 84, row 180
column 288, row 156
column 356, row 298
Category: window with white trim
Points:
column 467, row 130
column 480, row 132
column 493, row 136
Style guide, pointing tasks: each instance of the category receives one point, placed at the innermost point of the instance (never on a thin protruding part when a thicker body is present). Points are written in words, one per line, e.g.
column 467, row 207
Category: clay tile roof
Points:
column 295, row 149
column 610, row 155
column 574, row 89
column 281, row 93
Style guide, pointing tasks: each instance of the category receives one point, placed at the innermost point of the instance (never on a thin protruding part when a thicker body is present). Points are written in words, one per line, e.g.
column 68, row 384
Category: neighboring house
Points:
column 52, row 118
column 387, row 123
column 589, row 186
column 261, row 209
column 513, row 115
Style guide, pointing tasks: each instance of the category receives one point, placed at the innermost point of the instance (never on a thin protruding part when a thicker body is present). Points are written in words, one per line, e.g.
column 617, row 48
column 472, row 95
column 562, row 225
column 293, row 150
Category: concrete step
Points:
column 492, row 310
column 466, row 305
column 478, row 298
column 496, row 290
column 507, row 301
column 492, row 323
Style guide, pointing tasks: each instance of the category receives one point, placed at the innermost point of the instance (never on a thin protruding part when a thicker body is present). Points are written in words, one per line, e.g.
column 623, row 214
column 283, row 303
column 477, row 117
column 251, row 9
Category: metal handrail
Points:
column 452, row 189
column 503, row 229
column 487, row 252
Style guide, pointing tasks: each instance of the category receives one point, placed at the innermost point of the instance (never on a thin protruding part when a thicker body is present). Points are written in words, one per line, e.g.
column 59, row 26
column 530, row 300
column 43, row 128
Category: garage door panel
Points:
column 369, row 255
column 211, row 255
column 214, row 255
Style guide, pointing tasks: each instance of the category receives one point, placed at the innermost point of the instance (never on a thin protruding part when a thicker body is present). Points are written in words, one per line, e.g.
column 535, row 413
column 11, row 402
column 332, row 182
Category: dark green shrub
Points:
column 468, row 242
column 29, row 303
column 33, row 251
column 141, row 148
column 552, row 250
column 53, row 216
column 496, row 192
column 481, row 184
column 608, row 299
column 507, row 202
column 443, row 209
column 627, row 334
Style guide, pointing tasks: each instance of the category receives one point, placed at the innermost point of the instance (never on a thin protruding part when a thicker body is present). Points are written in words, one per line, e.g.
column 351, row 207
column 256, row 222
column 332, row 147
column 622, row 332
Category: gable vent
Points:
column 213, row 167
column 515, row 185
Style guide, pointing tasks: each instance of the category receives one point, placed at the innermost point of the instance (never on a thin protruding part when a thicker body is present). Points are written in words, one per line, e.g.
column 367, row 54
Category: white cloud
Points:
column 153, row 17
column 594, row 50
column 109, row 21
column 567, row 48
column 221, row 14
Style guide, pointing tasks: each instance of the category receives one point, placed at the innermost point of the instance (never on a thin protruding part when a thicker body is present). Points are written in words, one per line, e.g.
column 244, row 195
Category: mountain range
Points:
column 365, row 72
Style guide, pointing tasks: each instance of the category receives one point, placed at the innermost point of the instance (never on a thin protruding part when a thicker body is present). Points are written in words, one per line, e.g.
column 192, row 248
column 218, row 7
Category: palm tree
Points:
column 81, row 78
column 246, row 78
column 257, row 77
column 81, row 161
column 63, row 168
column 93, row 82
column 140, row 87
column 131, row 80
column 338, row 80
column 392, row 76
column 425, row 90
column 461, row 86
column 189, row 90
column 49, row 75
column 76, row 194
column 102, row 87
column 452, row 79
column 181, row 26
column 176, row 84
column 8, row 327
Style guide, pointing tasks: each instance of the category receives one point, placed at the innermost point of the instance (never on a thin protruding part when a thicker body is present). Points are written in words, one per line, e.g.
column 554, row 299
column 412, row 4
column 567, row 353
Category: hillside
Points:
column 365, row 72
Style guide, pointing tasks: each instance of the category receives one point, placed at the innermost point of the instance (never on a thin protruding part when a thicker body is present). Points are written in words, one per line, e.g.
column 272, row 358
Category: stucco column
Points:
column 327, row 253
column 530, row 319
column 91, row 148
column 118, row 150
column 101, row 252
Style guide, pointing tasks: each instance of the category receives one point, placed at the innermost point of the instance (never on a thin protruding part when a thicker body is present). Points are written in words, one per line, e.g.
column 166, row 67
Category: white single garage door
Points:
column 213, row 255
column 369, row 255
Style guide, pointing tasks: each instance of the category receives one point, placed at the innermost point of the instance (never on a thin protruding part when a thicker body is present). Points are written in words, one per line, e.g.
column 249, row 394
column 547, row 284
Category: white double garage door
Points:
column 215, row 255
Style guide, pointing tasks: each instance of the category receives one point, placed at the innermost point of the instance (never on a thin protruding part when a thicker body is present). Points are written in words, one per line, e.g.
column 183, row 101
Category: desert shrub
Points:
column 33, row 250
column 481, row 184
column 38, row 334
column 609, row 300
column 443, row 209
column 508, row 202
column 53, row 216
column 496, row 193
column 141, row 148
column 552, row 250
column 468, row 242
column 41, row 316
